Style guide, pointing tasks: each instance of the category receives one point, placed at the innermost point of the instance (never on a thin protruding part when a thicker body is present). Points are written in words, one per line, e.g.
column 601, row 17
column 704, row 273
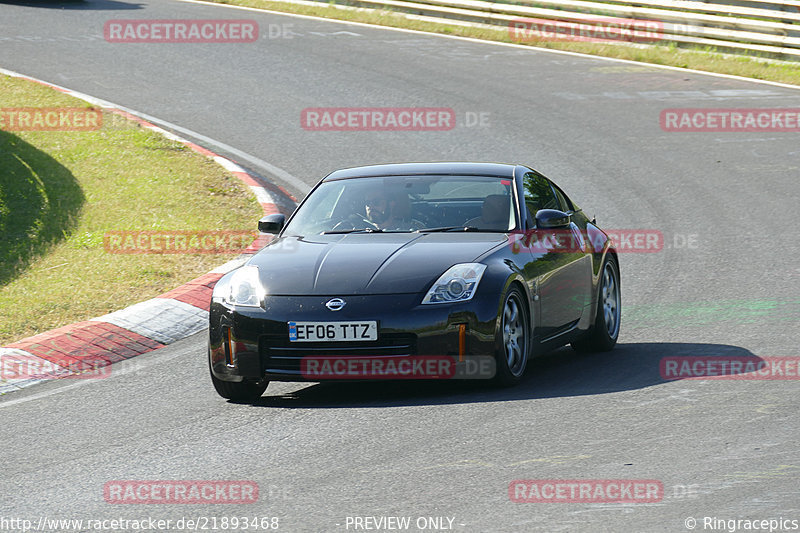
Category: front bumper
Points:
column 254, row 343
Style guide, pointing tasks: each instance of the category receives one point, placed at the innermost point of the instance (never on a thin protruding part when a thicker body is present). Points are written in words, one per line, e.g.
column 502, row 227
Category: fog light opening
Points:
column 229, row 349
column 462, row 341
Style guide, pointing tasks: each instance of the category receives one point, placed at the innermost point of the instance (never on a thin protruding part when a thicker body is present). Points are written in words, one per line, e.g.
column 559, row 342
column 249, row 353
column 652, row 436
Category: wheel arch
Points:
column 609, row 252
column 518, row 281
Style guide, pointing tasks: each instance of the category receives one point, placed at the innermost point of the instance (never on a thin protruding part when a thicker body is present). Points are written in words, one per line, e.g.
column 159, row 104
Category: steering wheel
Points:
column 353, row 221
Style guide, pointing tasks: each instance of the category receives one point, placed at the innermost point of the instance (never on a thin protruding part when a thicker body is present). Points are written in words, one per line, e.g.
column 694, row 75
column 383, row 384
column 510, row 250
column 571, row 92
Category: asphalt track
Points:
column 321, row 453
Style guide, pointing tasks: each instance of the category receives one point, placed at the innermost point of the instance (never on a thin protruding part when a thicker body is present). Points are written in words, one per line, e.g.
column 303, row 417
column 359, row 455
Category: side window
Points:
column 538, row 193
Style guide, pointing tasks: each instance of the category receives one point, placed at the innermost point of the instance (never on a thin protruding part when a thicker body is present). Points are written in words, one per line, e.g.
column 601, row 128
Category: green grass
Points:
column 60, row 192
column 705, row 59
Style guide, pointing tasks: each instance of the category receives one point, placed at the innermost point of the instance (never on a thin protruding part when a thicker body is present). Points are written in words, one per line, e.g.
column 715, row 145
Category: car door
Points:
column 563, row 273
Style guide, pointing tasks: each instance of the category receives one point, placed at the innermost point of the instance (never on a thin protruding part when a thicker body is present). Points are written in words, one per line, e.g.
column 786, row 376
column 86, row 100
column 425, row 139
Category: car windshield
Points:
column 407, row 204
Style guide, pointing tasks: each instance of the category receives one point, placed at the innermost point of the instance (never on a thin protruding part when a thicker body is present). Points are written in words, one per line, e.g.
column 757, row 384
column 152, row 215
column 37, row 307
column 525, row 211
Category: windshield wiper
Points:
column 447, row 228
column 355, row 230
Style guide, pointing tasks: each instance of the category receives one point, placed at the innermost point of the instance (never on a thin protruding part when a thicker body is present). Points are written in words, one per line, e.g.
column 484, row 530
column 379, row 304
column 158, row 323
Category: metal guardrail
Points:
column 786, row 5
column 760, row 27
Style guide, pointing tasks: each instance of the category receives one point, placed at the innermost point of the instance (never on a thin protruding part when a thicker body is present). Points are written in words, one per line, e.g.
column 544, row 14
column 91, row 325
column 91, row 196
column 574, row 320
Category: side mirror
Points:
column 271, row 223
column 551, row 219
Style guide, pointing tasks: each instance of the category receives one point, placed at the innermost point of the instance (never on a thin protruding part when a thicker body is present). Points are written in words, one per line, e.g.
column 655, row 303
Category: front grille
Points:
column 279, row 354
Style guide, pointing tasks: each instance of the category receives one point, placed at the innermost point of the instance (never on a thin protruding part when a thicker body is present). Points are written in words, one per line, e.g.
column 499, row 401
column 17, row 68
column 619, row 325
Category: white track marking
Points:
column 278, row 173
column 496, row 43
column 127, row 368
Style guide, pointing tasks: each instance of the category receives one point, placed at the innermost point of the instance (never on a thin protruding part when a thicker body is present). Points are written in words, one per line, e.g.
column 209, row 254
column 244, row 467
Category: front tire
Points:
column 248, row 390
column 603, row 335
column 513, row 339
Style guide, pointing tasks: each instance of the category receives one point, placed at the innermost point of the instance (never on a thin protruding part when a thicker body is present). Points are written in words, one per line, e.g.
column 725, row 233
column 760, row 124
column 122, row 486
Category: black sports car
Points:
column 412, row 271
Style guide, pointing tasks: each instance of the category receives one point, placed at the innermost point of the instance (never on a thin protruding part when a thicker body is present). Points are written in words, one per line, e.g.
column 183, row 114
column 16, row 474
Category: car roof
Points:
column 443, row 168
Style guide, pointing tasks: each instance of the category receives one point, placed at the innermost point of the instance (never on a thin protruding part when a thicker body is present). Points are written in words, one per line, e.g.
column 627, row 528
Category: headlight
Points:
column 245, row 288
column 458, row 284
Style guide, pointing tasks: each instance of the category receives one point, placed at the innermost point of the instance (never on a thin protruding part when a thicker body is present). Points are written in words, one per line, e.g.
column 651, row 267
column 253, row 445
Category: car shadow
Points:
column 78, row 5
column 562, row 373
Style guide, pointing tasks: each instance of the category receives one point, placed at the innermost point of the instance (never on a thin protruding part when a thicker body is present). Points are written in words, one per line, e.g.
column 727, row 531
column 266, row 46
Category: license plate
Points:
column 333, row 331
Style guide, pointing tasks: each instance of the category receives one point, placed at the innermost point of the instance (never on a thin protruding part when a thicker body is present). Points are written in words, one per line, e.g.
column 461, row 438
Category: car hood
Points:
column 350, row 264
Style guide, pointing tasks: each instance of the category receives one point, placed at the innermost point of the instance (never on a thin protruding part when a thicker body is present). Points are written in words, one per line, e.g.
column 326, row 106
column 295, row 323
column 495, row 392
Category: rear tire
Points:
column 247, row 390
column 603, row 335
column 513, row 339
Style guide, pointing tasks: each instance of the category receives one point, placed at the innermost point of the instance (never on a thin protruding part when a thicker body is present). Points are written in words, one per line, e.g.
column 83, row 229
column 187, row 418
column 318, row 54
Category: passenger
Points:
column 495, row 214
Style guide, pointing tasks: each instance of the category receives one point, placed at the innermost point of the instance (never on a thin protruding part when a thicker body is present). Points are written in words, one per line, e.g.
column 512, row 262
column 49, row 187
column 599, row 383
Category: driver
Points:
column 390, row 212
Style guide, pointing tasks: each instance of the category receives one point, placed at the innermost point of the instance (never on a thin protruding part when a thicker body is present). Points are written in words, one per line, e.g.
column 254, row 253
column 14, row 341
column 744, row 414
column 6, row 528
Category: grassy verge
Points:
column 668, row 54
column 61, row 191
